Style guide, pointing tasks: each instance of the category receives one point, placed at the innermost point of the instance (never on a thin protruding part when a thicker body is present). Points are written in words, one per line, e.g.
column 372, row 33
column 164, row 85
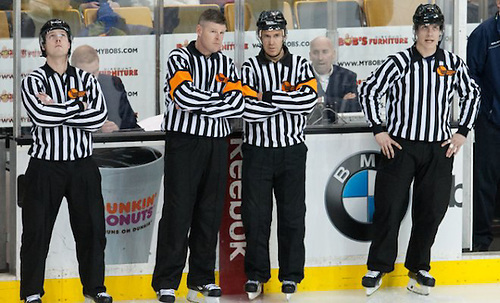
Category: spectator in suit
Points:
column 120, row 113
column 337, row 89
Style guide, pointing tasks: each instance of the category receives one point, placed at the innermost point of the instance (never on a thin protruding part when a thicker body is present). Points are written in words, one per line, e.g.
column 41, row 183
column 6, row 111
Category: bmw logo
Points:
column 349, row 195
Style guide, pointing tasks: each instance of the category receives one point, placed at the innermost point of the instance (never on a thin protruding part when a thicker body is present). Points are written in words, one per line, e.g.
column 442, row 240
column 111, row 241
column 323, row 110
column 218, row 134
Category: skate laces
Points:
column 372, row 274
column 211, row 287
column 33, row 298
column 425, row 274
column 103, row 295
column 166, row 292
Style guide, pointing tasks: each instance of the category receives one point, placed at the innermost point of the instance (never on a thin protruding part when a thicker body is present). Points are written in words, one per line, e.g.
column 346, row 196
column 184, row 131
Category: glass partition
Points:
column 6, row 69
column 133, row 46
column 480, row 10
column 364, row 34
column 118, row 36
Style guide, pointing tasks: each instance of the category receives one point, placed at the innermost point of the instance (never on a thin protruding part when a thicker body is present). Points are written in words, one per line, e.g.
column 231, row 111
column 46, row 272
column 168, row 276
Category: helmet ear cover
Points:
column 49, row 26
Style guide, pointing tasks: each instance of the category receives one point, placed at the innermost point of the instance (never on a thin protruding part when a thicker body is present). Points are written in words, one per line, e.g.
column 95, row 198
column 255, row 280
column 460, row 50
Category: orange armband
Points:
column 179, row 78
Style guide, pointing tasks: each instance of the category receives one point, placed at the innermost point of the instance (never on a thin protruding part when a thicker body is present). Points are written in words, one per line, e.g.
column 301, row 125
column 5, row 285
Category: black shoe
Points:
column 288, row 287
column 208, row 290
column 166, row 295
column 423, row 278
column 101, row 297
column 33, row 299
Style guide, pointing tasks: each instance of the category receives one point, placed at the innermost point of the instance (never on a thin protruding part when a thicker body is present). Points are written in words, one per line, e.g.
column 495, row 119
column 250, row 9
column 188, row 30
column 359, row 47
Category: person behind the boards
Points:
column 337, row 86
column 120, row 113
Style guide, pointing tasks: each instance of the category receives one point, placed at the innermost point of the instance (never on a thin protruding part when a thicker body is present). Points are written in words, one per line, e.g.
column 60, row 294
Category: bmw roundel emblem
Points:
column 349, row 195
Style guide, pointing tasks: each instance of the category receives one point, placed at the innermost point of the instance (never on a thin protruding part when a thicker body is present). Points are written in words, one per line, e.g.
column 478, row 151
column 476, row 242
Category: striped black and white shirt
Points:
column 419, row 93
column 289, row 93
column 62, row 130
column 201, row 93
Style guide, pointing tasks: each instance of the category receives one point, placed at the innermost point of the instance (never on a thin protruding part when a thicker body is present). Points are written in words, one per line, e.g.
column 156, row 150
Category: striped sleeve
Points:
column 231, row 104
column 469, row 94
column 374, row 88
column 255, row 110
column 46, row 115
column 301, row 99
column 288, row 88
column 180, row 86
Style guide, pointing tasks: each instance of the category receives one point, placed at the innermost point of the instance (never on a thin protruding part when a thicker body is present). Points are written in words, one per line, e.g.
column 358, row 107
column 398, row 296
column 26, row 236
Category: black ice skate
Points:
column 101, row 297
column 421, row 282
column 253, row 289
column 210, row 292
column 288, row 288
column 33, row 299
column 372, row 281
column 166, row 295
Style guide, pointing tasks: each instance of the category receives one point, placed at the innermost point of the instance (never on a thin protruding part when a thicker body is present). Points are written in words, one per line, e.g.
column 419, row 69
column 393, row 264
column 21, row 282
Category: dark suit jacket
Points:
column 341, row 82
column 119, row 109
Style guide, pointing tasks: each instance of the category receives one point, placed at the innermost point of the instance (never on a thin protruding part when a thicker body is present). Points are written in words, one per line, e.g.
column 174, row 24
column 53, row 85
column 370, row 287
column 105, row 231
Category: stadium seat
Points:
column 139, row 15
column 257, row 6
column 183, row 18
column 379, row 12
column 314, row 14
column 4, row 25
column 71, row 16
column 27, row 24
column 230, row 12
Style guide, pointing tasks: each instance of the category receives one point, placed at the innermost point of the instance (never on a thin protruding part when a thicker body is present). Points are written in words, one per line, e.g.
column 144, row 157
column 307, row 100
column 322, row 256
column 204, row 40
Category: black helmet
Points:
column 271, row 20
column 50, row 26
column 428, row 14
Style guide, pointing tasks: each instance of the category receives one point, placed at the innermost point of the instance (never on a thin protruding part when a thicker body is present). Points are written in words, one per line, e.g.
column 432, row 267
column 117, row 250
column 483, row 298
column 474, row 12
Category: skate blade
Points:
column 371, row 290
column 253, row 295
column 288, row 297
column 413, row 286
column 192, row 296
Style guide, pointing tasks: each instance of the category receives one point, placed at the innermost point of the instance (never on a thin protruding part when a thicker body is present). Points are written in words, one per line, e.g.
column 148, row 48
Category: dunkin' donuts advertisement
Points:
column 132, row 188
column 131, row 181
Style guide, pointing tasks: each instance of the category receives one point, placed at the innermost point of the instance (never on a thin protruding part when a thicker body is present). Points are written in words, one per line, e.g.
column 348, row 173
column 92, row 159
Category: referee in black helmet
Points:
column 418, row 146
column 65, row 105
column 280, row 91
